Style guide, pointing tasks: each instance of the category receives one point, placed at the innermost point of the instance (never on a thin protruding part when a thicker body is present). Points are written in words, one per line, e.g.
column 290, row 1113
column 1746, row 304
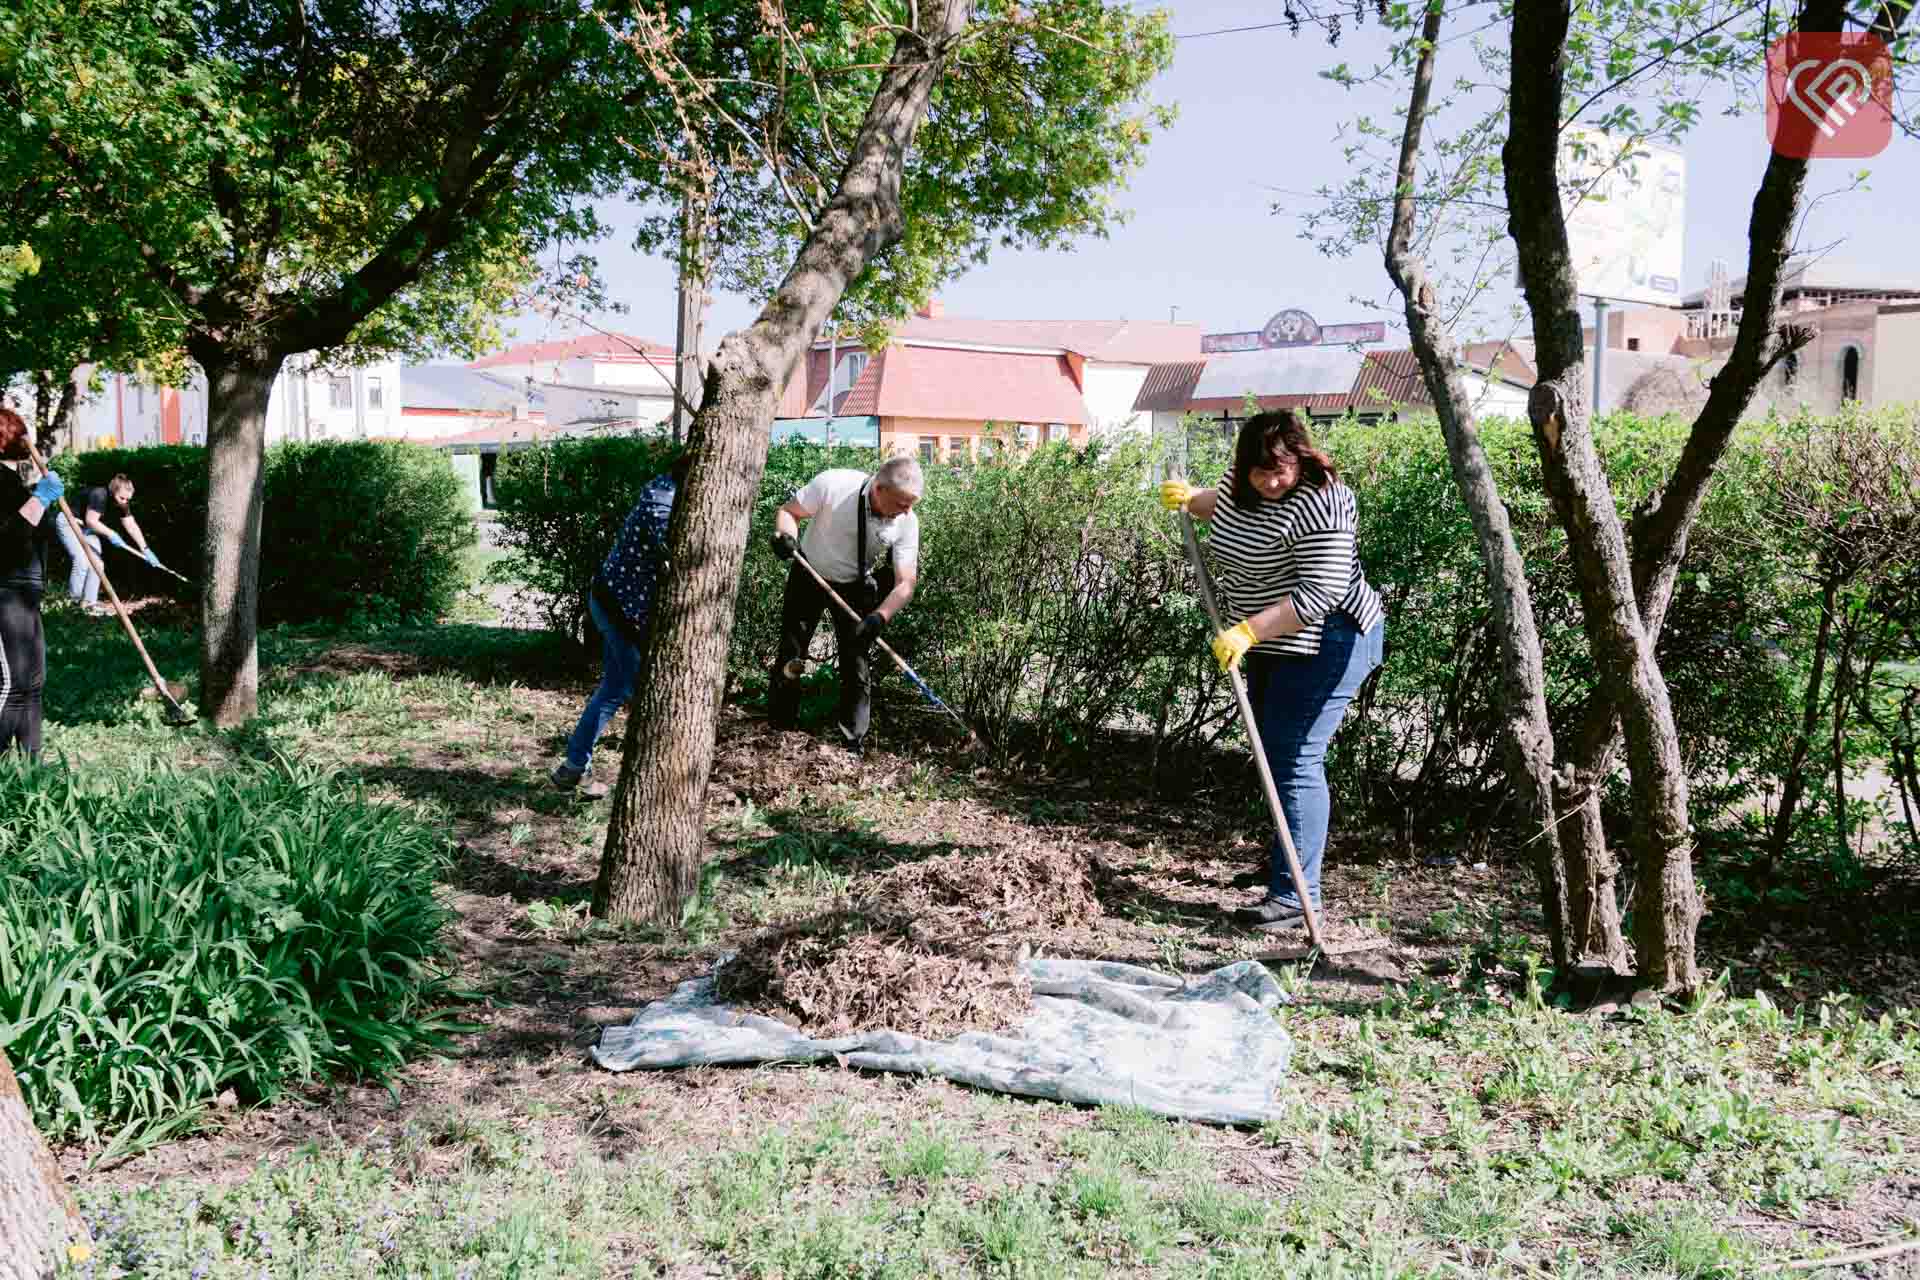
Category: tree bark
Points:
column 1660, row 528
column 37, row 1213
column 239, row 384
column 1666, row 906
column 1523, row 690
column 650, row 867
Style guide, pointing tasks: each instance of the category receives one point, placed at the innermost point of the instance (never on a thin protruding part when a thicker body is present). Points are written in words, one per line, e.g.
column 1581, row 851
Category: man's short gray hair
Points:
column 902, row 473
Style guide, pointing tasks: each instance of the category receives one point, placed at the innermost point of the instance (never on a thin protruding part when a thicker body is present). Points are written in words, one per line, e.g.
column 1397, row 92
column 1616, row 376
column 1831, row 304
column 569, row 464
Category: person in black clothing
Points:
column 23, row 537
column 99, row 509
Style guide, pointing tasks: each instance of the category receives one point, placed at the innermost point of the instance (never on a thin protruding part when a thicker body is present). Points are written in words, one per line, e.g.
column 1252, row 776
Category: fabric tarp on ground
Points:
column 1208, row 1048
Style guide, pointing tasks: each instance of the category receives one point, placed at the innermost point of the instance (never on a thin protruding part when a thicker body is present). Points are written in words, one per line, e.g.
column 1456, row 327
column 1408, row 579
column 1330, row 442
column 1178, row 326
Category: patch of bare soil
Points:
column 927, row 948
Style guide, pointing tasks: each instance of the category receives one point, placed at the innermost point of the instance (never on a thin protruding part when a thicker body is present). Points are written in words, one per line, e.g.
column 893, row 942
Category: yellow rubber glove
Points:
column 1176, row 494
column 1232, row 644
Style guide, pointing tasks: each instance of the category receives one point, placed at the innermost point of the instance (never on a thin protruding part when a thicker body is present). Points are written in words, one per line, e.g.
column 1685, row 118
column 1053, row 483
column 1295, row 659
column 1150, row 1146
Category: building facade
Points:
column 951, row 388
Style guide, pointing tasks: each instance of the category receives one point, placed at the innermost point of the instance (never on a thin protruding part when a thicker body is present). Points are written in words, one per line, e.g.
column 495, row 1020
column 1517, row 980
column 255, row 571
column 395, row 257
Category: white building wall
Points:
column 1896, row 377
column 569, row 404
column 1494, row 399
column 128, row 412
column 1110, row 390
column 309, row 403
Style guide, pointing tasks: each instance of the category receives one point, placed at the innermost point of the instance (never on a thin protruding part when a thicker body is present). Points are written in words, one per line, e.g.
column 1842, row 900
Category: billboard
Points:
column 1294, row 328
column 1625, row 205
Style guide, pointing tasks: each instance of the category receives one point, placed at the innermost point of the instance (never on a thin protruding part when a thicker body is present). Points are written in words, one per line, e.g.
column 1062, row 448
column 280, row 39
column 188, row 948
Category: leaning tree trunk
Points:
column 238, row 387
column 1523, row 685
column 651, row 864
column 37, row 1214
column 1666, row 905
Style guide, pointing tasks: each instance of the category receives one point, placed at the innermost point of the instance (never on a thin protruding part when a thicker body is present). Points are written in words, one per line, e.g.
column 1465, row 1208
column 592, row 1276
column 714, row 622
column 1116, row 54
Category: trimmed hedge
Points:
column 361, row 528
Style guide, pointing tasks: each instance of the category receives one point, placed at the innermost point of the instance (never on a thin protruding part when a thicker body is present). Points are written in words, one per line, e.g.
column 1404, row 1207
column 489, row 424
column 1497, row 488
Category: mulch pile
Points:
column 928, row 948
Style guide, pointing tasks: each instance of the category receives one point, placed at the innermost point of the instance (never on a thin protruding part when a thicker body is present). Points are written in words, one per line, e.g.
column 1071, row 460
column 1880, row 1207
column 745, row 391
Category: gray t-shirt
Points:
column 833, row 498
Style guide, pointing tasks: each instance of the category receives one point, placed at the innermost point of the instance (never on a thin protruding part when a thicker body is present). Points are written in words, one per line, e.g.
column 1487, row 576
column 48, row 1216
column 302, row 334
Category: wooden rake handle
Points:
column 80, row 540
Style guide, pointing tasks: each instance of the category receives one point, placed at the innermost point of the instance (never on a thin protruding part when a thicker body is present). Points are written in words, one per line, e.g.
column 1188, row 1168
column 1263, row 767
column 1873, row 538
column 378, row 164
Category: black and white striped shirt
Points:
column 1303, row 544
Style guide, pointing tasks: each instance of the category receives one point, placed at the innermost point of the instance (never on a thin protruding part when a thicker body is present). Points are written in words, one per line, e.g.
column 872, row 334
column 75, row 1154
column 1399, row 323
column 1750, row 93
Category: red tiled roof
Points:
column 970, row 386
column 594, row 346
column 1168, row 386
column 863, row 397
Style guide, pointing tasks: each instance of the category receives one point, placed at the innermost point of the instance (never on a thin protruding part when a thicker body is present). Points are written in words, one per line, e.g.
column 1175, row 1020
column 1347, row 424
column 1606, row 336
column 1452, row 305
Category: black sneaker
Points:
column 1269, row 912
column 565, row 777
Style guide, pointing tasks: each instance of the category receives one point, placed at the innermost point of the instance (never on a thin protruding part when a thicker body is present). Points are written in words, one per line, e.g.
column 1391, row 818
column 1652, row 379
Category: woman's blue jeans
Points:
column 83, row 584
column 1298, row 703
column 620, row 662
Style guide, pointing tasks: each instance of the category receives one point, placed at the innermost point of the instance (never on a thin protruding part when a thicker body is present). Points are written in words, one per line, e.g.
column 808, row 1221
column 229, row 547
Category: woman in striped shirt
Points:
column 1310, row 627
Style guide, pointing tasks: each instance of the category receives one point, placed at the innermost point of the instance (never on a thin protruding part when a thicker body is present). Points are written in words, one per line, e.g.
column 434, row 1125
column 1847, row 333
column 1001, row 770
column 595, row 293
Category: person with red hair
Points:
column 23, row 538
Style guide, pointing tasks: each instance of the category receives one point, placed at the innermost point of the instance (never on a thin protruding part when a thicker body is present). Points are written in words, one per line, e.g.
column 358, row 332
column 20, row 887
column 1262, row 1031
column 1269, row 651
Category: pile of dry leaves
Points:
column 928, row 948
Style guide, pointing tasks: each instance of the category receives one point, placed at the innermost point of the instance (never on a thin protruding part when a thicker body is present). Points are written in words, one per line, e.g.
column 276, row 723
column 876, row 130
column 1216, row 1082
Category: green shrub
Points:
column 363, row 528
column 167, row 936
column 1056, row 594
column 562, row 504
column 1428, row 731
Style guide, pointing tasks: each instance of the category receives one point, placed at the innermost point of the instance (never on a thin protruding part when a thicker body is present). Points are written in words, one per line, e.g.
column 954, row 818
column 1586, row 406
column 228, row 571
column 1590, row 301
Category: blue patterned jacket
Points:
column 631, row 570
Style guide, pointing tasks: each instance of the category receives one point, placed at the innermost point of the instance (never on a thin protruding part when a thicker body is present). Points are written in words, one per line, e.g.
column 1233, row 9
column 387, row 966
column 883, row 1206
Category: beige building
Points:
column 1865, row 348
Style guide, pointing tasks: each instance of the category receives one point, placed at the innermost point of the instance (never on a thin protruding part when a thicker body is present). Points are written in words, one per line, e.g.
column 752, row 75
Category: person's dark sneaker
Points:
column 565, row 777
column 1269, row 912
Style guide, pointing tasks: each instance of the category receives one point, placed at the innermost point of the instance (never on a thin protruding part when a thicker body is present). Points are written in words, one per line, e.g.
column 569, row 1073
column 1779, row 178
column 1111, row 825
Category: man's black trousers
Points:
column 799, row 614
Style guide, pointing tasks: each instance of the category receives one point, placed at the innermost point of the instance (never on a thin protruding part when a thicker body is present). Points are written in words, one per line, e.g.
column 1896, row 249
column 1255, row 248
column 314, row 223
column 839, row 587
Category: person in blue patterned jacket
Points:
column 620, row 604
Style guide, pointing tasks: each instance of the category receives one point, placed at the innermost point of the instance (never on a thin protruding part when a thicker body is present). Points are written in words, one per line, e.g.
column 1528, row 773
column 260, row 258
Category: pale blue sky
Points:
column 1255, row 116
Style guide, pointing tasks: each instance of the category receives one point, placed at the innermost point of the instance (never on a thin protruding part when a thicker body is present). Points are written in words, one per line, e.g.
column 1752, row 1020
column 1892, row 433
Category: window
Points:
column 1850, row 374
column 1029, row 435
column 1633, row 344
column 956, row 448
column 1057, row 431
column 340, row 393
column 375, row 396
column 929, row 450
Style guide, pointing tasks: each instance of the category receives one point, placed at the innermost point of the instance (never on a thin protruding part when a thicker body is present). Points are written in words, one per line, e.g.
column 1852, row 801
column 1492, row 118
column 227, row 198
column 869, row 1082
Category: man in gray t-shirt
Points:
column 862, row 537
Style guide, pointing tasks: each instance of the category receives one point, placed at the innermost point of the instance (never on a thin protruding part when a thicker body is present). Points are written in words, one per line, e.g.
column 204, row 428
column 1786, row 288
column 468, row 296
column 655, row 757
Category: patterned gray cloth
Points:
column 1209, row 1049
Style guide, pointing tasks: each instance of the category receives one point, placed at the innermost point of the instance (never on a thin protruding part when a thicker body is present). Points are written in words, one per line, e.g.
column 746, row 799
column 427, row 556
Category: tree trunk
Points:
column 1660, row 528
column 1523, row 689
column 238, row 386
column 1666, row 907
column 651, row 863
column 37, row 1214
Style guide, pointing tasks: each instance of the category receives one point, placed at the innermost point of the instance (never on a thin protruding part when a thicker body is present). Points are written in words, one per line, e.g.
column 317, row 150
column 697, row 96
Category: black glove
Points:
column 786, row 546
column 869, row 629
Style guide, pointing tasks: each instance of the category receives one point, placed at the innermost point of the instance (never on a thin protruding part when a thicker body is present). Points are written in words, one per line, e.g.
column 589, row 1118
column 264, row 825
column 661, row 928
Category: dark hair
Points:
column 13, row 434
column 1264, row 439
column 682, row 463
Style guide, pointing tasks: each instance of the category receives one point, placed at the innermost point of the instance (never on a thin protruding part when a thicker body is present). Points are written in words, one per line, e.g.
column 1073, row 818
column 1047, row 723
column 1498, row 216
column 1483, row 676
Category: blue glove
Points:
column 117, row 540
column 49, row 489
column 152, row 559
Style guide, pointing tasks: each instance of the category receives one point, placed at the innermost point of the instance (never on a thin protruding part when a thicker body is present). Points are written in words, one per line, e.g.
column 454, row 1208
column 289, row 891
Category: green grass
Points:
column 1454, row 1125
